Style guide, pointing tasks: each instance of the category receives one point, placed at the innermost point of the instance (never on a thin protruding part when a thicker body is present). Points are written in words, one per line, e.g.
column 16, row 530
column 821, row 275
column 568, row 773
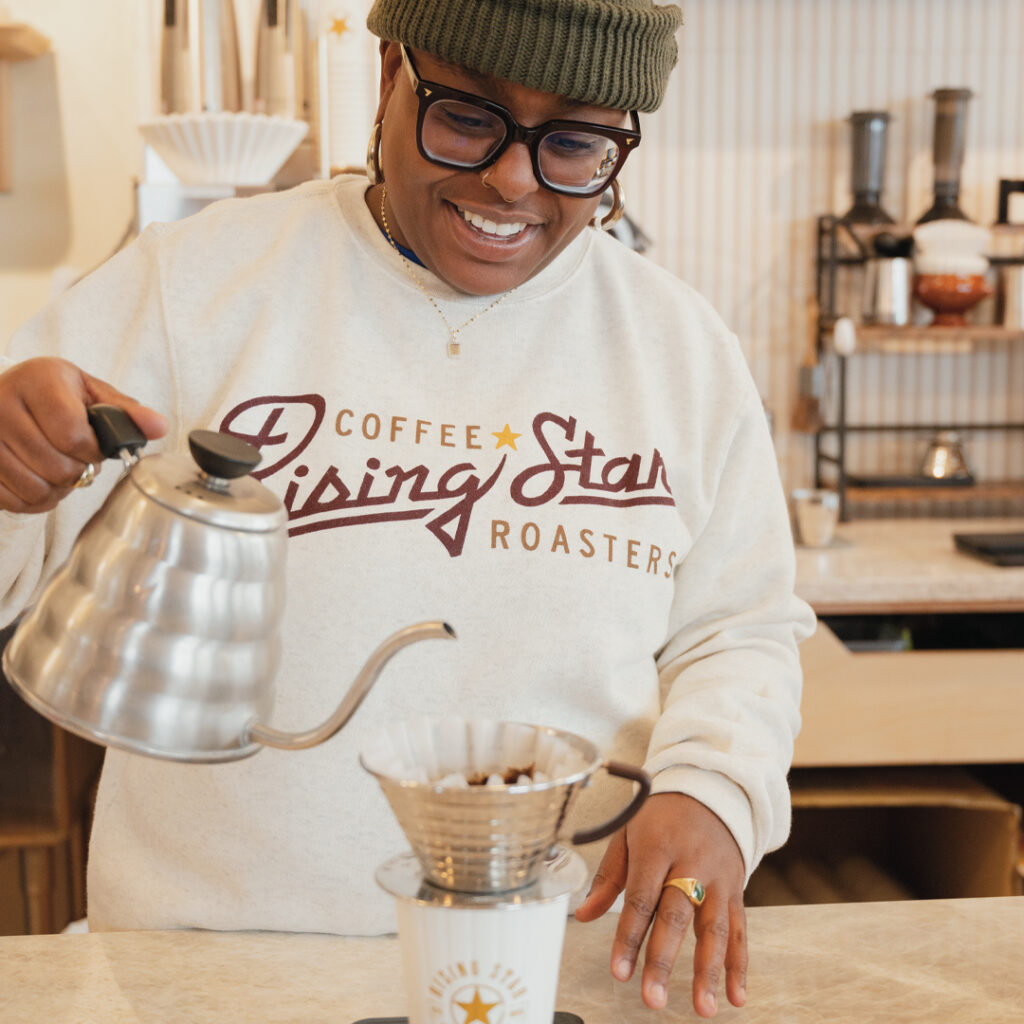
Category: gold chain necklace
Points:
column 453, row 332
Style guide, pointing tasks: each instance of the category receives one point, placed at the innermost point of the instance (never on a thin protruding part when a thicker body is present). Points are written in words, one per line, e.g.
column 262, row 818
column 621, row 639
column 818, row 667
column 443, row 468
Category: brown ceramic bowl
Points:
column 951, row 295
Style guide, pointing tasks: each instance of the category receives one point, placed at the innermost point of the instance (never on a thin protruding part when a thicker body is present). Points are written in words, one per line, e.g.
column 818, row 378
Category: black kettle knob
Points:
column 223, row 455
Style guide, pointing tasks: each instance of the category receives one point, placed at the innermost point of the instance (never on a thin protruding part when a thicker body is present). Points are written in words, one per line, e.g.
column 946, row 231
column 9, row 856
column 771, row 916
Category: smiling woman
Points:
column 524, row 149
column 587, row 491
column 483, row 201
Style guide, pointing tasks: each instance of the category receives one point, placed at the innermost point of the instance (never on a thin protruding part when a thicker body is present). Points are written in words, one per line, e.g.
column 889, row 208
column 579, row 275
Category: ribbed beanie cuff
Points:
column 611, row 53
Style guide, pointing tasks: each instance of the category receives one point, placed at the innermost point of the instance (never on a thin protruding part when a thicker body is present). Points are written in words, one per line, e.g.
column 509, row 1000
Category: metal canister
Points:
column 887, row 291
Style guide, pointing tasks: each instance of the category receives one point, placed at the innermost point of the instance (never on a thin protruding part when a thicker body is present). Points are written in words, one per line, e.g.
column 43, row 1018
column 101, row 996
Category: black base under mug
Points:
column 561, row 1017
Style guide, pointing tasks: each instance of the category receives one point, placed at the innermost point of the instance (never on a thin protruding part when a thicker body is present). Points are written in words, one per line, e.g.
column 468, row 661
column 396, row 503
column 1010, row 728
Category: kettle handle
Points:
column 622, row 771
column 115, row 430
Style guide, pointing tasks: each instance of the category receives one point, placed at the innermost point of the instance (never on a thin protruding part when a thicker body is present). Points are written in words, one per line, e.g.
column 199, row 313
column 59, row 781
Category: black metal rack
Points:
column 838, row 245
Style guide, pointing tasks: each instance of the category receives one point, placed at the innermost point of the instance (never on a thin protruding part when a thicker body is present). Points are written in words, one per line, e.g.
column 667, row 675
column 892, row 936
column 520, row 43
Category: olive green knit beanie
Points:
column 611, row 53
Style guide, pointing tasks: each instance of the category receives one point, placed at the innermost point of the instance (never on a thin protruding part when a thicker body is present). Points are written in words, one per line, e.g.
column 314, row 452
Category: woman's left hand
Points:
column 675, row 836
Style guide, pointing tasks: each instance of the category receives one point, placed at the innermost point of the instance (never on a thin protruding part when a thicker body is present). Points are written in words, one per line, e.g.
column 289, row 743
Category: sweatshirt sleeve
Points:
column 112, row 325
column 730, row 672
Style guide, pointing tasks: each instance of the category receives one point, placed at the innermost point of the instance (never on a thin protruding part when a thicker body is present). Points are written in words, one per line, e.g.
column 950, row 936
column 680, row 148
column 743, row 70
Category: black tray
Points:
column 856, row 480
column 561, row 1017
column 997, row 548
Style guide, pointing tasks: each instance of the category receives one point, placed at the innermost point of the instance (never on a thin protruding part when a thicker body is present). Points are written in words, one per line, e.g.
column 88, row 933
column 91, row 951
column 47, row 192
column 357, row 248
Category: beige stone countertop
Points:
column 879, row 565
column 934, row 961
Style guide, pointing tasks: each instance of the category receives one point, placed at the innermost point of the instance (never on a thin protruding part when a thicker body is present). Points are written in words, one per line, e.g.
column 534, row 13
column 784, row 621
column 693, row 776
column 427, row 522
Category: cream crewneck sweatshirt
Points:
column 588, row 494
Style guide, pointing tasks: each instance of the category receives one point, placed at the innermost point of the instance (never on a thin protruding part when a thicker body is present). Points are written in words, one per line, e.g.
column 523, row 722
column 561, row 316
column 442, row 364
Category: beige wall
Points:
column 75, row 148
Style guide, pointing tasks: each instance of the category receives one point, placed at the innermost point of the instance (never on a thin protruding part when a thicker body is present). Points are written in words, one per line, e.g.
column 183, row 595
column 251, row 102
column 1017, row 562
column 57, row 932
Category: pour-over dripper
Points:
column 482, row 838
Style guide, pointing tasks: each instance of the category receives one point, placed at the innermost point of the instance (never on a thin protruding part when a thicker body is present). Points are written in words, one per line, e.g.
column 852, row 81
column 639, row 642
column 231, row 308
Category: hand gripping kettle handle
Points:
column 622, row 771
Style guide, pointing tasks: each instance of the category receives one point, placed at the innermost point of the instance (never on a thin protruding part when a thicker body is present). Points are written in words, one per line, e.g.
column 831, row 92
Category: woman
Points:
column 475, row 407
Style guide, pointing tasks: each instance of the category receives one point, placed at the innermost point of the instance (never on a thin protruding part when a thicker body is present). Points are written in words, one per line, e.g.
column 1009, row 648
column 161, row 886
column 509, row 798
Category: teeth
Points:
column 489, row 226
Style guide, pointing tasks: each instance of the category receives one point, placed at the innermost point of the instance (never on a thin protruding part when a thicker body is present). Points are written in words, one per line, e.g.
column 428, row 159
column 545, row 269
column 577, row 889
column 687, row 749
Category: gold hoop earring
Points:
column 614, row 215
column 484, row 175
column 373, row 171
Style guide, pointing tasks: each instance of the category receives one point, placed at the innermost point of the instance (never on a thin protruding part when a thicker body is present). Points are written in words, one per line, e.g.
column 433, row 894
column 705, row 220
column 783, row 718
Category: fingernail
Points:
column 622, row 969
column 710, row 1002
column 658, row 994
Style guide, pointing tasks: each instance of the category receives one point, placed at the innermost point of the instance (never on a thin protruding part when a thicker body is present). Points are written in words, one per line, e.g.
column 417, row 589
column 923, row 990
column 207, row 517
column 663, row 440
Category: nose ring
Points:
column 484, row 175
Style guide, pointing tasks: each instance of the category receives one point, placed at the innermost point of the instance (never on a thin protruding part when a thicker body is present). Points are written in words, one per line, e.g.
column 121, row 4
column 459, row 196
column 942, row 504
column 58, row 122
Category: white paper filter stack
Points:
column 223, row 148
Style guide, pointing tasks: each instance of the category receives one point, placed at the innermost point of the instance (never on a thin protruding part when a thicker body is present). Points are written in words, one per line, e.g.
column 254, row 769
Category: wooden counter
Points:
column 912, row 707
column 930, row 961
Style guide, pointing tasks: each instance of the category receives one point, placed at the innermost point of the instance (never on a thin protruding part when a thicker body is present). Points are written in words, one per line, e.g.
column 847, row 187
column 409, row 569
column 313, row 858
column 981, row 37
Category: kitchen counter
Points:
column 906, row 565
column 917, row 706
column 928, row 961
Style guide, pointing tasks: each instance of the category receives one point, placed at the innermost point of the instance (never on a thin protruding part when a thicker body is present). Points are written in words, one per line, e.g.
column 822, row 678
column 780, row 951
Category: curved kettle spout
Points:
column 357, row 691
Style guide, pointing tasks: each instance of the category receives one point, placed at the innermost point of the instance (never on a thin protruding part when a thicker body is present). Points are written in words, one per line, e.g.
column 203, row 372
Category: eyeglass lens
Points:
column 467, row 135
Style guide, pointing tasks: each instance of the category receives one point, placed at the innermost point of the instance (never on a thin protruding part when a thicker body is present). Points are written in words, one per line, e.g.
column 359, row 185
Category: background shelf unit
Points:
column 839, row 247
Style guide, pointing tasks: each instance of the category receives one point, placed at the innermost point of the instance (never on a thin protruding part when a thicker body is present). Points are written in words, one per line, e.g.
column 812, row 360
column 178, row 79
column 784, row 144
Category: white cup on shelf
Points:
column 815, row 514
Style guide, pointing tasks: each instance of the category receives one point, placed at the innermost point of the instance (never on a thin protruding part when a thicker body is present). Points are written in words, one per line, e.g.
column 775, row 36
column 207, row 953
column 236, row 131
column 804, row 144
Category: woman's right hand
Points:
column 45, row 438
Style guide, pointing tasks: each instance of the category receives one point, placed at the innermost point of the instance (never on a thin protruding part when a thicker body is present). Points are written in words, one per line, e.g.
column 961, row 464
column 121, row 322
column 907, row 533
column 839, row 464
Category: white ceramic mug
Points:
column 816, row 511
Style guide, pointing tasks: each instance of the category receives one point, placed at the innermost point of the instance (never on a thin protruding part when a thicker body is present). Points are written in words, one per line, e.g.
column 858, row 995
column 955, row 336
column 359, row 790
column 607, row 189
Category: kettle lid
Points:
column 212, row 486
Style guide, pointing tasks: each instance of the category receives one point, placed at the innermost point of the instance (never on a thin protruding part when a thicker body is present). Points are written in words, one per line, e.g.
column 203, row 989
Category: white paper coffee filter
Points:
column 952, row 237
column 223, row 148
column 499, row 965
column 429, row 750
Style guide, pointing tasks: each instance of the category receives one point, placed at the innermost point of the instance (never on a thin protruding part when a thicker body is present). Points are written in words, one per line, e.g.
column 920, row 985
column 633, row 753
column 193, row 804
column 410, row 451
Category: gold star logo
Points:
column 476, row 1009
column 339, row 26
column 506, row 436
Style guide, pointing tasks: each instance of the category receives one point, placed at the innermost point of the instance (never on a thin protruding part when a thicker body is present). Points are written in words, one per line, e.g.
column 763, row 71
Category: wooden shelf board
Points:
column 921, row 340
column 994, row 490
column 21, row 42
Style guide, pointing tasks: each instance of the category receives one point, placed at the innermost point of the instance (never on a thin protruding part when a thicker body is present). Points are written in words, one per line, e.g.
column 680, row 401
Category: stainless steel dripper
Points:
column 481, row 838
column 160, row 634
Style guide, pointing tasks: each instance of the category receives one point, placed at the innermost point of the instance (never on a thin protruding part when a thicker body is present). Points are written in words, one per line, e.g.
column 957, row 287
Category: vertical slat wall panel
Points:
column 752, row 144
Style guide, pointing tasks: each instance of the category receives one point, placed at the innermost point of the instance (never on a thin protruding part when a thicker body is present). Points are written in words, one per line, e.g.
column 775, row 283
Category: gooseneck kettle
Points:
column 160, row 634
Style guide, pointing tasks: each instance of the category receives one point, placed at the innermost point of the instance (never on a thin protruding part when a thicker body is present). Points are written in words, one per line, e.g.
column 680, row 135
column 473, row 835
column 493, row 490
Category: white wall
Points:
column 750, row 146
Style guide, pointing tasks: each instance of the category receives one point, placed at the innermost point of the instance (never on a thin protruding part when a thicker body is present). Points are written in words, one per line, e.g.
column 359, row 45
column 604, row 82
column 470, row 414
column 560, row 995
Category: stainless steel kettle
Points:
column 160, row 634
column 944, row 459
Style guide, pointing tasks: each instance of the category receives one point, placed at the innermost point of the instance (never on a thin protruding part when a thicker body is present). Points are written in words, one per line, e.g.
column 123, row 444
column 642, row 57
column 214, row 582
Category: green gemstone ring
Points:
column 693, row 889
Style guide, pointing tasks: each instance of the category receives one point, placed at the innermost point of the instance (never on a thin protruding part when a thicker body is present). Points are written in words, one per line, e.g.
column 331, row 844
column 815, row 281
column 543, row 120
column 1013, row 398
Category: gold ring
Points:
column 87, row 477
column 694, row 890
